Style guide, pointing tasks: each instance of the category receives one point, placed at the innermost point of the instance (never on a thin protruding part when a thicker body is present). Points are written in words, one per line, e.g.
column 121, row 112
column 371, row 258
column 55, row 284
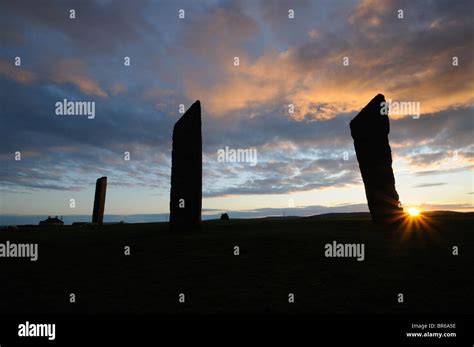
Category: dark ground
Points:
column 278, row 256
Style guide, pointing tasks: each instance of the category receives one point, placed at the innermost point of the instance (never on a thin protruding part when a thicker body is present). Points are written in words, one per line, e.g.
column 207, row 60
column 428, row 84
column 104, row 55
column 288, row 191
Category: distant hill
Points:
column 366, row 215
column 449, row 214
column 351, row 215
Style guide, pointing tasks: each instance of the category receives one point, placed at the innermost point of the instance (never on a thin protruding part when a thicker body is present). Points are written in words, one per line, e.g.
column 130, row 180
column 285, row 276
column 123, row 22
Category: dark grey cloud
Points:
column 447, row 130
column 427, row 185
column 287, row 175
column 444, row 171
column 99, row 26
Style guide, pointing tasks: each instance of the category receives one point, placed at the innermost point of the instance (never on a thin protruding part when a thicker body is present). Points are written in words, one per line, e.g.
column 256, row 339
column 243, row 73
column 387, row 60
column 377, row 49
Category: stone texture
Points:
column 186, row 171
column 370, row 130
column 99, row 200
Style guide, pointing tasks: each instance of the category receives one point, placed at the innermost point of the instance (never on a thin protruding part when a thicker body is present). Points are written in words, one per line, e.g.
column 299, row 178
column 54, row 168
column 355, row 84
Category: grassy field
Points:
column 277, row 257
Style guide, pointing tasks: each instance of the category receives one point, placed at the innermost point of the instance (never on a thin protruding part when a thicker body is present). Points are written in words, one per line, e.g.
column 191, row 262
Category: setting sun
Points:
column 413, row 212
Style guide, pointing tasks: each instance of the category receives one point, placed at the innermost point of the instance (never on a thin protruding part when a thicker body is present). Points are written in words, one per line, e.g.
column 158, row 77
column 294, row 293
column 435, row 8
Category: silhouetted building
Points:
column 99, row 200
column 370, row 129
column 52, row 221
column 186, row 171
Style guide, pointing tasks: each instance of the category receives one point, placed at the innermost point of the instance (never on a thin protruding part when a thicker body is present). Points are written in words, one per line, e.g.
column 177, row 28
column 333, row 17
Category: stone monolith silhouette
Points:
column 370, row 129
column 99, row 200
column 186, row 171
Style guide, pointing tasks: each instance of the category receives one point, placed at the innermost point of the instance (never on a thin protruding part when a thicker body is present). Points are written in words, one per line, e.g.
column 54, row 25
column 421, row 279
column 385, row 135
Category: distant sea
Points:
column 33, row 219
column 6, row 220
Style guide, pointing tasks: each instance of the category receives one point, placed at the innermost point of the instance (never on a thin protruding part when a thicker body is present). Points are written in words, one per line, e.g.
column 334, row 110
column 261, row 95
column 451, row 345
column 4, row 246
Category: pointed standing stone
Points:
column 370, row 129
column 99, row 200
column 186, row 171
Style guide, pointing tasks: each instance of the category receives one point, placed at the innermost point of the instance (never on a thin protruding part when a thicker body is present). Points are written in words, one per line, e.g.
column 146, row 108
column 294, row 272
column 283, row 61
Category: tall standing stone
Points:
column 99, row 200
column 370, row 129
column 186, row 171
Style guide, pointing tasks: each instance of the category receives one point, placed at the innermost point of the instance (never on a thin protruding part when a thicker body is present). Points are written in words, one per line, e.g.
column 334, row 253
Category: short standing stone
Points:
column 224, row 216
column 99, row 200
column 370, row 129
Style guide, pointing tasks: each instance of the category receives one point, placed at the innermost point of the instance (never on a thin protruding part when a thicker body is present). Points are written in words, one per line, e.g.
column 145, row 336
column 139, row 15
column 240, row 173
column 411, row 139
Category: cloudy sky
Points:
column 306, row 158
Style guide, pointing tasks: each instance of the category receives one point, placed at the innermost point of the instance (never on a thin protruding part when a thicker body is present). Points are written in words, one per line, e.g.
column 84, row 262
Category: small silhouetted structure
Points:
column 52, row 221
column 370, row 129
column 224, row 216
column 186, row 171
column 99, row 200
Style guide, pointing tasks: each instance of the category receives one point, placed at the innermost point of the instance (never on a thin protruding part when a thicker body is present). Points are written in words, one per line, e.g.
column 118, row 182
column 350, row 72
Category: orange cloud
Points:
column 74, row 71
column 369, row 12
column 68, row 71
column 311, row 75
column 253, row 82
column 325, row 88
column 118, row 88
column 15, row 73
